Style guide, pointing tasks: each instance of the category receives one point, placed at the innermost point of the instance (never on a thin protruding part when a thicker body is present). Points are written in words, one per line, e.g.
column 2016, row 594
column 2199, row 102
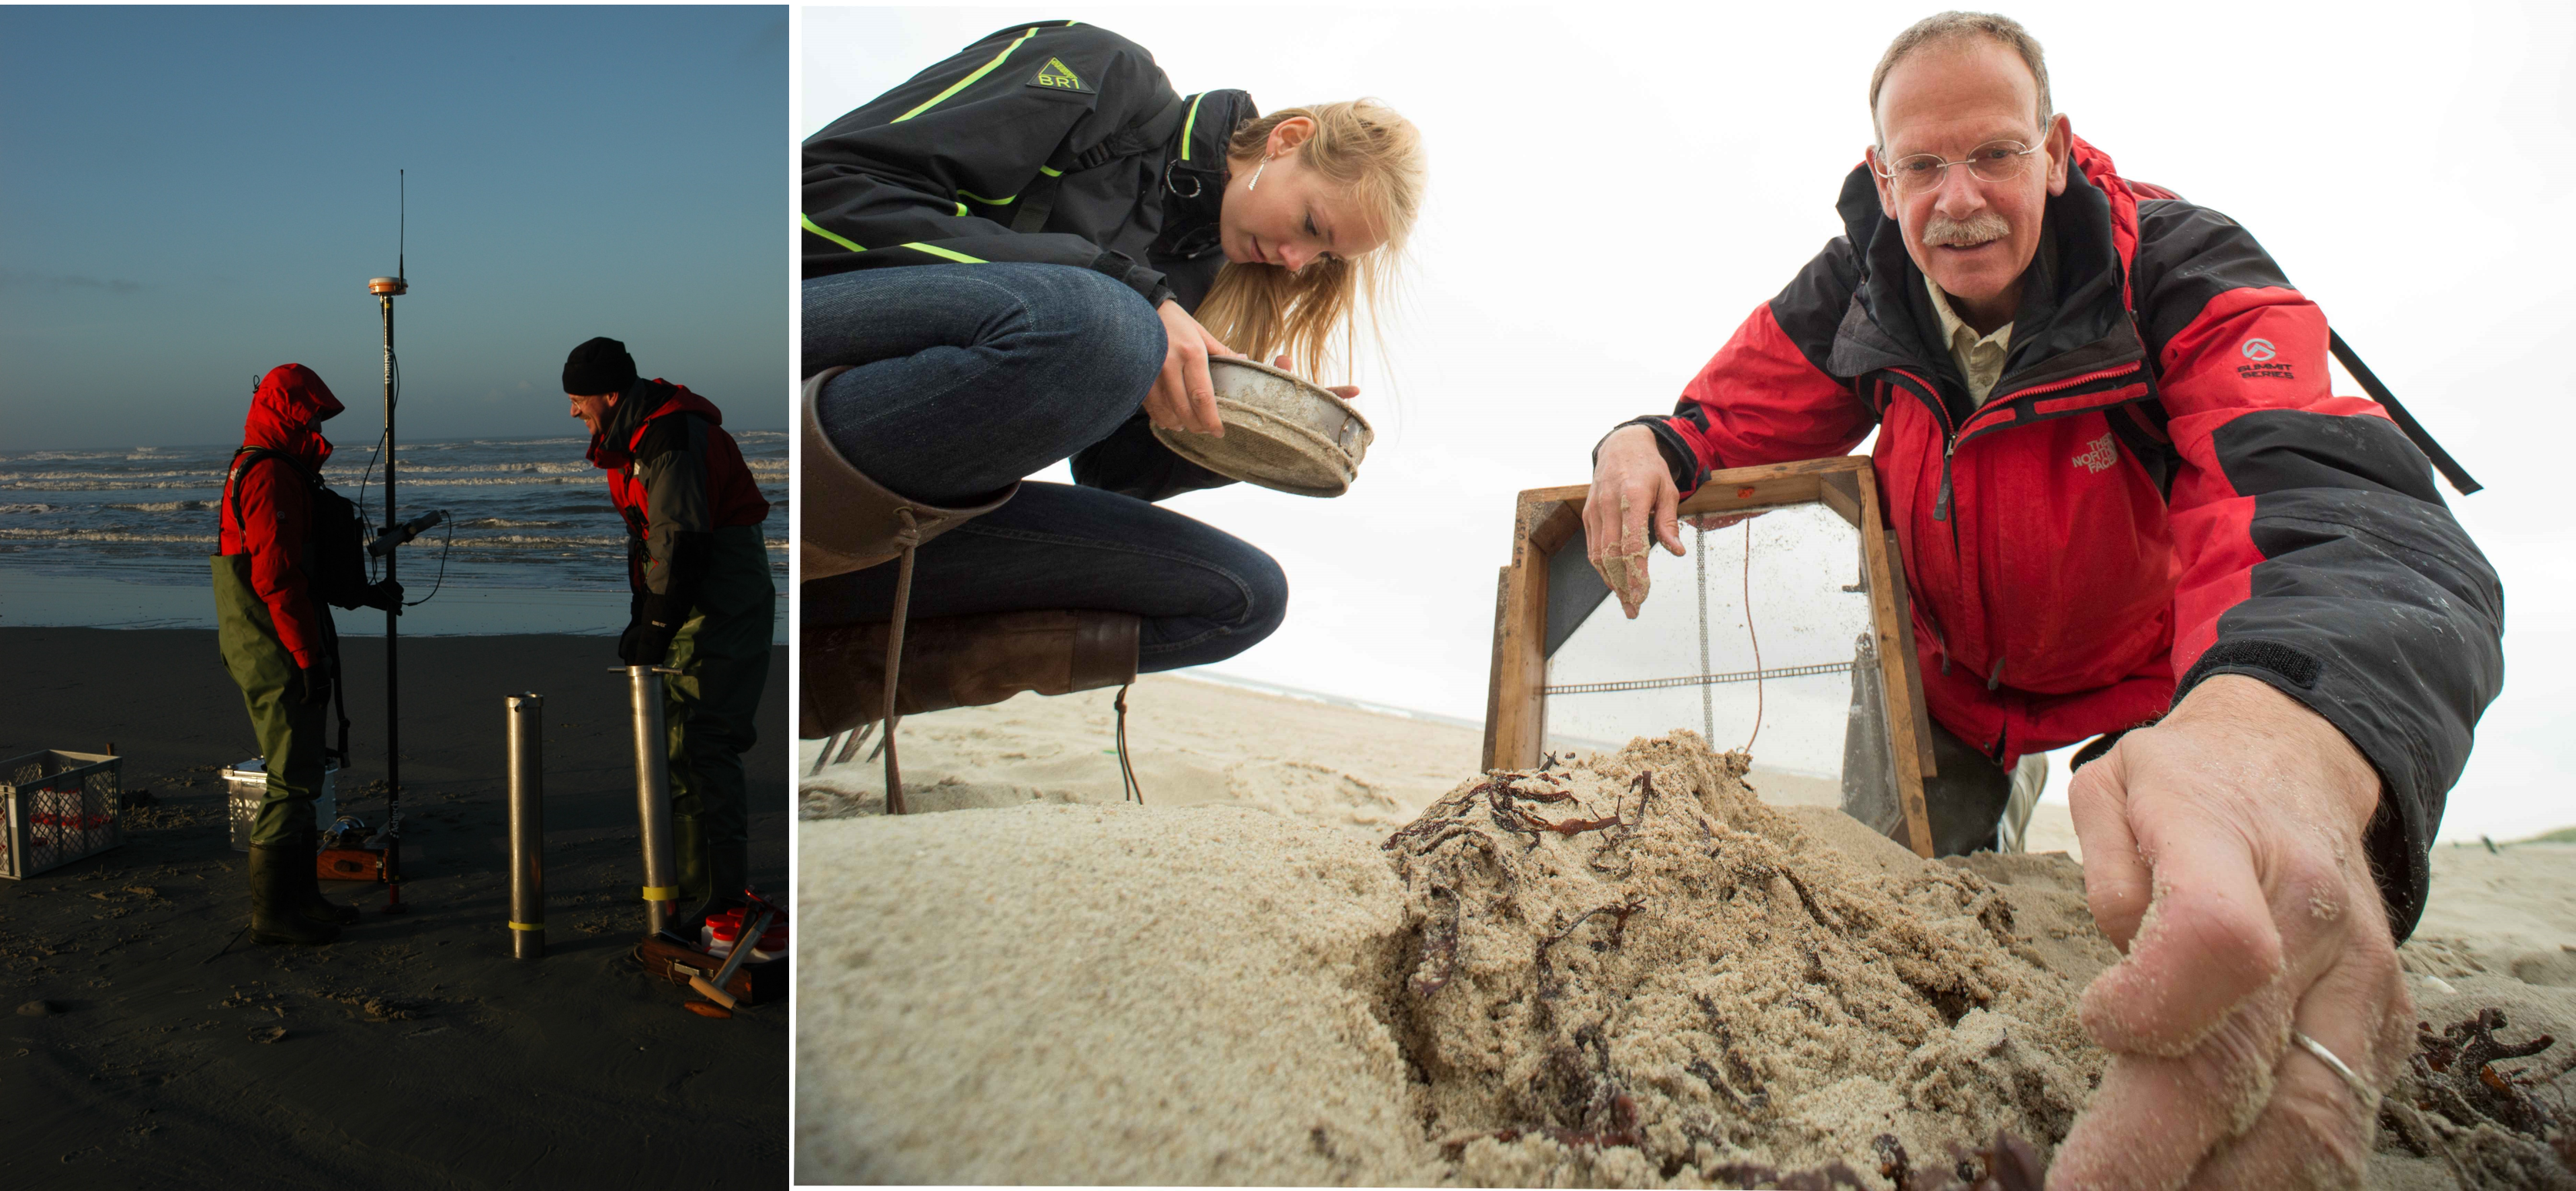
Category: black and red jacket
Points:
column 266, row 511
column 2161, row 487
column 676, row 477
column 1054, row 143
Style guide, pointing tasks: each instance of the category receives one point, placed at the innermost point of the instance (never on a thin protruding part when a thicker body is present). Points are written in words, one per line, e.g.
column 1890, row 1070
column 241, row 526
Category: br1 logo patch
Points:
column 1055, row 76
column 2263, row 361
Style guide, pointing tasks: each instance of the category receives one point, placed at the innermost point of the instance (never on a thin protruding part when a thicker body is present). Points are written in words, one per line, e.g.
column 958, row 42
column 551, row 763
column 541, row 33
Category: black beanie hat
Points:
column 600, row 365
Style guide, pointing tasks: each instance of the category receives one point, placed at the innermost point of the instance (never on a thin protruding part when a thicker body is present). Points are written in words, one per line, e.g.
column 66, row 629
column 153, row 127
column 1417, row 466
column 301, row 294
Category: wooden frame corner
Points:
column 1546, row 520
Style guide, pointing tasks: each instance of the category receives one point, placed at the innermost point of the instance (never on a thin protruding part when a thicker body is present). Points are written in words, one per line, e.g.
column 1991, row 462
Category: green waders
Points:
column 722, row 653
column 286, row 901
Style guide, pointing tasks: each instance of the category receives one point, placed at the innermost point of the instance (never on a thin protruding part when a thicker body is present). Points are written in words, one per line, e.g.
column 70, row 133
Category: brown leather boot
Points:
column 960, row 661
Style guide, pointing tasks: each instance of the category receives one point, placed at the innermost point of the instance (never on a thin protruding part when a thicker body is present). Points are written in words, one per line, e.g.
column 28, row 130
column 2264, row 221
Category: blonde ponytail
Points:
column 1375, row 156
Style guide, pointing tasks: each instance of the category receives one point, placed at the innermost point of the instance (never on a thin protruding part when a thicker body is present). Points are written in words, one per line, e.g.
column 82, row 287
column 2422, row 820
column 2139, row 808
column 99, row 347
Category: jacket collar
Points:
column 614, row 446
column 1195, row 173
column 2074, row 313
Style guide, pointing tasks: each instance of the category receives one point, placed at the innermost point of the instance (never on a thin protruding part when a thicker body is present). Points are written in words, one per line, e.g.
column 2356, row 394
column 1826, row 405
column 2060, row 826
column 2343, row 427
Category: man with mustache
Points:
column 2129, row 508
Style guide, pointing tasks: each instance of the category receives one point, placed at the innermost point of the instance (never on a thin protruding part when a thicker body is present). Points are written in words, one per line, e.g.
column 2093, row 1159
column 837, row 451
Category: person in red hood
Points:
column 273, row 581
column 704, row 603
column 2129, row 507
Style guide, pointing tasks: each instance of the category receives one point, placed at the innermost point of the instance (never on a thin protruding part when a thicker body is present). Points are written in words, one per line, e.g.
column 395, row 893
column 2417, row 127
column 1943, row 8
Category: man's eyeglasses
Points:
column 1994, row 161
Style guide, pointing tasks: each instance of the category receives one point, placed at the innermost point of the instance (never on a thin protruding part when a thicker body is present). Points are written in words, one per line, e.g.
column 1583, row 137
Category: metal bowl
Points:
column 1281, row 432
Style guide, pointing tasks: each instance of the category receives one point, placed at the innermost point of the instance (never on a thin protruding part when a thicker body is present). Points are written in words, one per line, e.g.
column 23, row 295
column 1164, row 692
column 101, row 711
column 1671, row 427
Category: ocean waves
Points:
column 524, row 513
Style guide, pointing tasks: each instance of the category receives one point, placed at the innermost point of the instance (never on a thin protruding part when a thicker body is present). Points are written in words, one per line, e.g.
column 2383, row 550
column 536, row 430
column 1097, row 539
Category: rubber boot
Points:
column 960, row 661
column 689, row 849
column 307, row 888
column 276, row 911
column 727, row 871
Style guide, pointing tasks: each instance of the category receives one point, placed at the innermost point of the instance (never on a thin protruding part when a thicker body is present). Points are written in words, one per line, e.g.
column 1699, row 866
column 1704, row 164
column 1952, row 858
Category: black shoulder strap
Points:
column 232, row 479
column 1038, row 200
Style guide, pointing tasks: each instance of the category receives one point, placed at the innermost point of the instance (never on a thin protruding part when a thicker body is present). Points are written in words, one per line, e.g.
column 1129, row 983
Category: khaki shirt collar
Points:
column 1980, row 357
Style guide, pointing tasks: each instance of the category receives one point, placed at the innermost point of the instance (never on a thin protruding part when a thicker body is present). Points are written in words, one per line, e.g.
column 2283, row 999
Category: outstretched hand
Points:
column 2223, row 855
column 1631, row 488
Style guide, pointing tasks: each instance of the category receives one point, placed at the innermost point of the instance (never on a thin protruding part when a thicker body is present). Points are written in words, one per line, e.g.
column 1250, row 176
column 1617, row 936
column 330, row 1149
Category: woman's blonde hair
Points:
column 1369, row 152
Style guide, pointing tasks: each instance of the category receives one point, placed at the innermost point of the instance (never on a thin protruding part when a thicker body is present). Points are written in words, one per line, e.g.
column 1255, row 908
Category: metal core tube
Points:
column 527, row 827
column 653, row 793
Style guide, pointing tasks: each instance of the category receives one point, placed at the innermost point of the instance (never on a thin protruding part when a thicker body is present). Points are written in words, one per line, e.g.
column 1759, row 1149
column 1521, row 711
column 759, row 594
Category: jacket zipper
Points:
column 1924, row 393
column 1950, row 447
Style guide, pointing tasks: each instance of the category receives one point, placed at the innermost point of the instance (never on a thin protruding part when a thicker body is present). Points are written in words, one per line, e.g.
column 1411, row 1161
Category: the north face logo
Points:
column 1056, row 76
column 2098, row 455
column 2259, row 350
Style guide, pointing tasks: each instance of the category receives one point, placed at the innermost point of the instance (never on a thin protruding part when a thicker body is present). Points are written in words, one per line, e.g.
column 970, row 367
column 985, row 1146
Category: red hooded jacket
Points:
column 2161, row 487
column 276, row 505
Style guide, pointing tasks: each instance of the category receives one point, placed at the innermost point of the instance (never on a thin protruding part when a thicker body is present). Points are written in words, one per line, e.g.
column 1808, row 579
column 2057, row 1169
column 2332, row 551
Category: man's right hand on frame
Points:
column 1631, row 489
column 1183, row 398
column 2223, row 854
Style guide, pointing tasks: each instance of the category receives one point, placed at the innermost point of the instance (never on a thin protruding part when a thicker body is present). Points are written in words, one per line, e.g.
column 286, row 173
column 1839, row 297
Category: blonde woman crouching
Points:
column 1028, row 253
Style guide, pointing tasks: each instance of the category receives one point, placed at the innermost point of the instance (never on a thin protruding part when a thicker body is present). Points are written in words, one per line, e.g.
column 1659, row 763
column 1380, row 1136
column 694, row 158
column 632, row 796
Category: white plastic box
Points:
column 246, row 785
column 56, row 807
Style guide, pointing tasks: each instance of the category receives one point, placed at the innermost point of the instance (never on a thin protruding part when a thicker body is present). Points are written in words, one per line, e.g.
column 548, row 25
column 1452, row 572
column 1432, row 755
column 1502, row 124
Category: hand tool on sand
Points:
column 653, row 791
column 527, row 827
column 713, row 988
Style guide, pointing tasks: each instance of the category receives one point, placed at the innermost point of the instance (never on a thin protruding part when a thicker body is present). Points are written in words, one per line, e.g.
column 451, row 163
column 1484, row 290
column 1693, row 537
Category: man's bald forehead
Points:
column 1950, row 29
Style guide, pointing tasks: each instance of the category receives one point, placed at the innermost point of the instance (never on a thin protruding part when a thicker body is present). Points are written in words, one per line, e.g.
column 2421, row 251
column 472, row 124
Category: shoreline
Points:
column 163, row 598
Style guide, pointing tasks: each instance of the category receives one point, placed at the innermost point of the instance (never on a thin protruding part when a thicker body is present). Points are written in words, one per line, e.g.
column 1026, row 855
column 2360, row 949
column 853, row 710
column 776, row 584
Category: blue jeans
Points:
column 969, row 377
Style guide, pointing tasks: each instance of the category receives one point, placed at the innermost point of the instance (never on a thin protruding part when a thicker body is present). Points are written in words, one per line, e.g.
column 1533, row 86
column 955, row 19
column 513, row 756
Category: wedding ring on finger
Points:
column 2361, row 1091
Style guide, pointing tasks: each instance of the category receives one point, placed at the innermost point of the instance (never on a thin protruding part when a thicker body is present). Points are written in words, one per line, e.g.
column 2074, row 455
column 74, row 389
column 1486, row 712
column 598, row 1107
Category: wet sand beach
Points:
column 415, row 1052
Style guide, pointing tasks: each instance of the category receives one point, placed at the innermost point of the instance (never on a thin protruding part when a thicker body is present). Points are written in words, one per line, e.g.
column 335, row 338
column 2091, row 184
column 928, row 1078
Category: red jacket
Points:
column 675, row 476
column 2160, row 488
column 276, row 502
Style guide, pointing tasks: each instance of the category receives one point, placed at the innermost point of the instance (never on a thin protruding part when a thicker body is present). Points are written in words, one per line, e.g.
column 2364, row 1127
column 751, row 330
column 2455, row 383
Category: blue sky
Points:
column 189, row 196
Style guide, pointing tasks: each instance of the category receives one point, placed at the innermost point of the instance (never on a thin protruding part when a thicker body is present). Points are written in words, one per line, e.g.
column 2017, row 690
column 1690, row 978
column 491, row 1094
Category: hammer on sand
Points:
column 713, row 988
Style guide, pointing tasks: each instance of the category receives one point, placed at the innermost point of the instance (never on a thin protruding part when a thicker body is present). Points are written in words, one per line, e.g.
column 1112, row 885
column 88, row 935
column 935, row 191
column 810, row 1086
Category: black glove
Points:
column 386, row 596
column 645, row 643
column 313, row 685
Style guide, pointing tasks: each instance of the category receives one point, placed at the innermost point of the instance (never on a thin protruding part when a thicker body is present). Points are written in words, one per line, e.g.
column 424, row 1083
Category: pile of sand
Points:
column 1630, row 969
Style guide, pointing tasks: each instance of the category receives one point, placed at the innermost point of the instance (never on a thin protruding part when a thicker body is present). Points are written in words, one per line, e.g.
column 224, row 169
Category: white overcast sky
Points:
column 1613, row 188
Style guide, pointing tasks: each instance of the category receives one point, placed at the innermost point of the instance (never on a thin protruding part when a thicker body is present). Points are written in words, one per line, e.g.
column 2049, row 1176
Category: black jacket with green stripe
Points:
column 1051, row 143
column 1055, row 143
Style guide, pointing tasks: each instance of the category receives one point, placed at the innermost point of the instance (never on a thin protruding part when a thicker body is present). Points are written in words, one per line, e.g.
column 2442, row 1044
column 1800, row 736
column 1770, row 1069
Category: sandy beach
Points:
column 1551, row 979
column 140, row 1052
